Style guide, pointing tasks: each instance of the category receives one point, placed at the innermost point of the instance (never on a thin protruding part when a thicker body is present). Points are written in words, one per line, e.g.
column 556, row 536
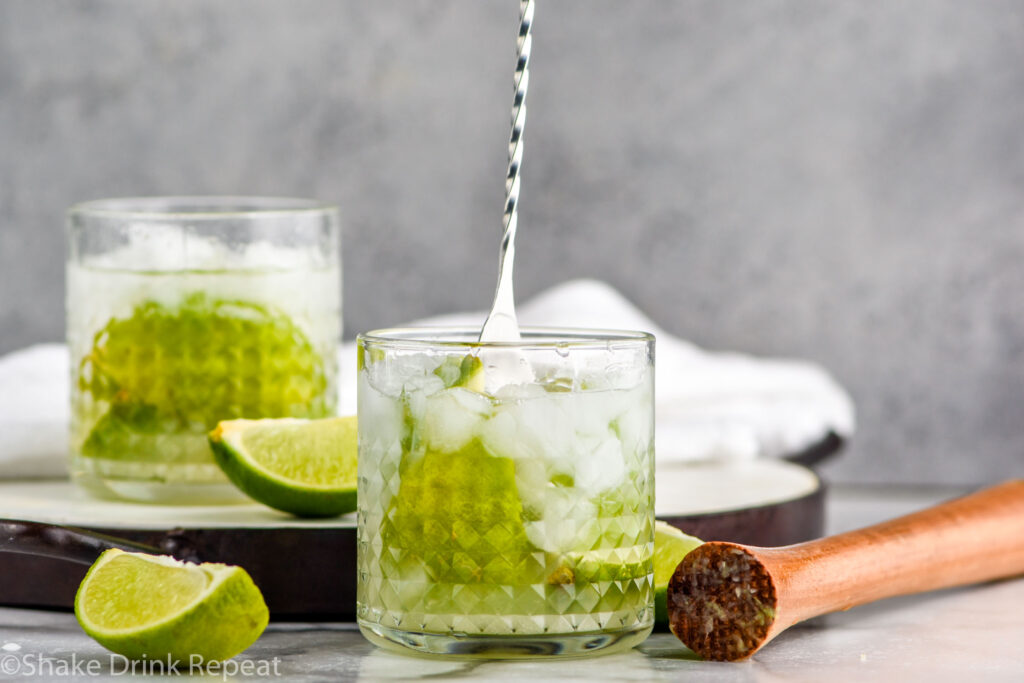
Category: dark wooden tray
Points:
column 306, row 568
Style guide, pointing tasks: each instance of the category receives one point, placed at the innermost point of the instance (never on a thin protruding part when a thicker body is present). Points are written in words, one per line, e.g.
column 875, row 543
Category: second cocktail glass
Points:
column 502, row 517
column 184, row 311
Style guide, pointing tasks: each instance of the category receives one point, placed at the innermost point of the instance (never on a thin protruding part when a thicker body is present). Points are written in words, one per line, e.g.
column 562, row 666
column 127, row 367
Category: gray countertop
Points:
column 947, row 635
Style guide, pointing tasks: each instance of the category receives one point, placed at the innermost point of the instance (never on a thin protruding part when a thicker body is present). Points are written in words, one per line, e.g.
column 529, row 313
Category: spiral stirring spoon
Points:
column 501, row 324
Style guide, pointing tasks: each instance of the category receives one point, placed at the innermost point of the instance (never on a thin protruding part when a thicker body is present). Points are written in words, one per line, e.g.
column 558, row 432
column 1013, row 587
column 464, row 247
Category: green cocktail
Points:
column 184, row 312
column 501, row 518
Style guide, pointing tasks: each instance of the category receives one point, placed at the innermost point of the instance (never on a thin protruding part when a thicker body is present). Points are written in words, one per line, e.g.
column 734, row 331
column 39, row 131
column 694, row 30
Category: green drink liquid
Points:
column 157, row 373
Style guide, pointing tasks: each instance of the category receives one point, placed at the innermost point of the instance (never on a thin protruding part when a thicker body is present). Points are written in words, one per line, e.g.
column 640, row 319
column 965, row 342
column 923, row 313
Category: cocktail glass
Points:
column 183, row 311
column 505, row 518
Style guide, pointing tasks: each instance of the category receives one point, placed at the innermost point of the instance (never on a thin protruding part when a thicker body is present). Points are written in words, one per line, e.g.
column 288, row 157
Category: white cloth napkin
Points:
column 709, row 406
column 34, row 412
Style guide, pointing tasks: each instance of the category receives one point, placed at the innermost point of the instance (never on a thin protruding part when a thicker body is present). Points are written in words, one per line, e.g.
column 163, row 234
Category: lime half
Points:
column 670, row 547
column 157, row 607
column 305, row 467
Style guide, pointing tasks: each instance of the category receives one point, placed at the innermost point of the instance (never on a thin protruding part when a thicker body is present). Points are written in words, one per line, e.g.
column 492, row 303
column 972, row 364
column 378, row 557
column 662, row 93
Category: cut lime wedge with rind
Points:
column 305, row 467
column 155, row 607
column 670, row 547
column 464, row 371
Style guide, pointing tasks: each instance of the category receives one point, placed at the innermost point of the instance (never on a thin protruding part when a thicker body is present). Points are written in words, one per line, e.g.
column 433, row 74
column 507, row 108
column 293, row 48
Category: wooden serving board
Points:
column 306, row 568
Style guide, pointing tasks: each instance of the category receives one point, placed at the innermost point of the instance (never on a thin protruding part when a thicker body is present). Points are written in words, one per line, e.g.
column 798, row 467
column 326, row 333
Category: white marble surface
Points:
column 961, row 634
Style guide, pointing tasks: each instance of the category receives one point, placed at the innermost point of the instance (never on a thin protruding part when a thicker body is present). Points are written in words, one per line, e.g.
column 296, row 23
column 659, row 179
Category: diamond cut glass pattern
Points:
column 519, row 517
column 186, row 311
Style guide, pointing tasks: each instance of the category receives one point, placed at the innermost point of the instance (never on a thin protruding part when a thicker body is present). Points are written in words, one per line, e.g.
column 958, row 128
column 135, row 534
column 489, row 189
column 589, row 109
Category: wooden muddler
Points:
column 725, row 601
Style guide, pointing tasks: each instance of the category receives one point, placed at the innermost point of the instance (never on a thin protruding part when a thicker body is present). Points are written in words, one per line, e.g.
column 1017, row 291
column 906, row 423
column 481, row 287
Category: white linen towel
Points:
column 709, row 406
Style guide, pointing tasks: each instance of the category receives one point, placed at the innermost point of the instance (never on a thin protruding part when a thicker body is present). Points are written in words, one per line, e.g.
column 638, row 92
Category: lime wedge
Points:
column 670, row 547
column 157, row 607
column 305, row 467
column 467, row 372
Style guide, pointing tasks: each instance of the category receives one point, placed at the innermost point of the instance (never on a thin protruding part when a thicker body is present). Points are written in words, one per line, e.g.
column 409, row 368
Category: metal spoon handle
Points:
column 501, row 323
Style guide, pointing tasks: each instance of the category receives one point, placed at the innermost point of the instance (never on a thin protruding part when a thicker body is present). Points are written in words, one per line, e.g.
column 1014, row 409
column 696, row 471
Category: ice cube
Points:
column 634, row 425
column 546, row 426
column 519, row 392
column 426, row 384
column 404, row 372
column 503, row 367
column 452, row 418
column 500, row 436
column 380, row 416
column 601, row 466
column 566, row 520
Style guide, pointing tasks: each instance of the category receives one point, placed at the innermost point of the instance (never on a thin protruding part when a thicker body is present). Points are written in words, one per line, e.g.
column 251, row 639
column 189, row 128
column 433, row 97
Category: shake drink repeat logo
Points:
column 15, row 663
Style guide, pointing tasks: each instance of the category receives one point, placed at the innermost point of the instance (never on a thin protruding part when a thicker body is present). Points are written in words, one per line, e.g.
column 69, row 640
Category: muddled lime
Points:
column 181, row 369
column 458, row 516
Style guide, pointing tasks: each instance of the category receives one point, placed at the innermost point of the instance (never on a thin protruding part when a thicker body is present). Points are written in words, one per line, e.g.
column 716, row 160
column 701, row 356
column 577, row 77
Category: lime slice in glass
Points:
column 155, row 607
column 305, row 467
column 670, row 547
column 466, row 371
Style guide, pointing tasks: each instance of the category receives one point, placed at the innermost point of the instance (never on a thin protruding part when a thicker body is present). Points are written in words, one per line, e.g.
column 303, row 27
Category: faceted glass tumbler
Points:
column 506, row 492
column 184, row 311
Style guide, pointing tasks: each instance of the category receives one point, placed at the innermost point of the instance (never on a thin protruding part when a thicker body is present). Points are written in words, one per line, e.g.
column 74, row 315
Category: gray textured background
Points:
column 839, row 181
